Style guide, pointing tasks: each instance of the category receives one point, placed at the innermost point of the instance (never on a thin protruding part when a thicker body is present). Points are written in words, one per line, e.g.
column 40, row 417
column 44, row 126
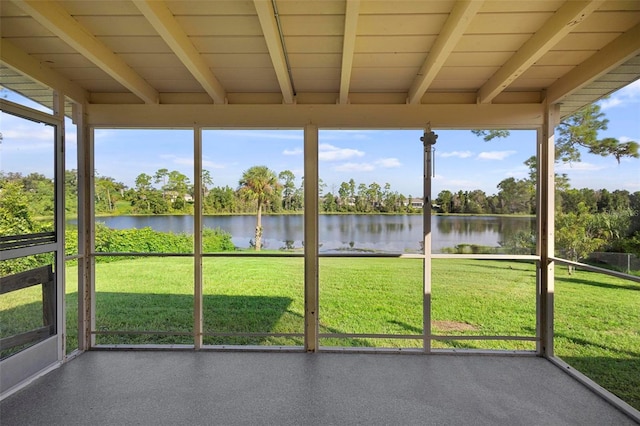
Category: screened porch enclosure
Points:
column 166, row 89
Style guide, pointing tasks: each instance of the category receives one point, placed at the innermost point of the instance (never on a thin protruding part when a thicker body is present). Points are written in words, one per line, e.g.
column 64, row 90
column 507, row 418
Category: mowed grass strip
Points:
column 597, row 317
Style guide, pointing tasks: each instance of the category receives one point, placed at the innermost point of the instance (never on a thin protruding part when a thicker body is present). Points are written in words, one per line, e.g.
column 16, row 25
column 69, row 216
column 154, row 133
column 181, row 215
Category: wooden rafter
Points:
column 57, row 20
column 266, row 15
column 163, row 21
column 458, row 21
column 15, row 58
column 348, row 47
column 620, row 50
column 555, row 29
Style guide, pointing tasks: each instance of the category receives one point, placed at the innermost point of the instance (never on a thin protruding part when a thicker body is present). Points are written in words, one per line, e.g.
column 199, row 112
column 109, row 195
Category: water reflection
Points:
column 384, row 233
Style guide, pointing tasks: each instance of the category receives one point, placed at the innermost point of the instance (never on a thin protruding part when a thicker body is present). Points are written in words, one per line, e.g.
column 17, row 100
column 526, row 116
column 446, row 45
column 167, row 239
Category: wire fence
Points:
column 624, row 262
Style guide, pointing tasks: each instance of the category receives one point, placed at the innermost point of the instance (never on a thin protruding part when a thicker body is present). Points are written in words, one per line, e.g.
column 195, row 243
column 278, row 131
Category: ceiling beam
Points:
column 18, row 60
column 457, row 23
column 354, row 116
column 266, row 15
column 57, row 20
column 348, row 47
column 163, row 21
column 616, row 53
column 555, row 29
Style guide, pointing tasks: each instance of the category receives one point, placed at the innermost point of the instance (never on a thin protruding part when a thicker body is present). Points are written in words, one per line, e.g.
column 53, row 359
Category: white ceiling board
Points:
column 585, row 41
column 252, row 86
column 244, row 25
column 546, row 71
column 66, row 60
column 508, row 23
column 176, row 86
column 382, row 7
column 117, row 25
column 503, row 6
column 324, row 7
column 238, row 60
column 319, row 60
column 481, row 59
column 456, row 85
column 92, row 7
column 103, row 86
column 491, row 42
column 164, row 73
column 36, row 45
column 253, row 74
column 160, row 60
column 393, row 59
column 463, row 73
column 316, row 25
column 78, row 74
column 317, row 85
column 381, row 25
column 317, row 44
column 621, row 5
column 7, row 8
column 394, row 44
column 232, row 44
column 316, row 73
column 22, row 25
column 532, row 84
column 405, row 75
column 143, row 44
column 217, row 7
column 555, row 57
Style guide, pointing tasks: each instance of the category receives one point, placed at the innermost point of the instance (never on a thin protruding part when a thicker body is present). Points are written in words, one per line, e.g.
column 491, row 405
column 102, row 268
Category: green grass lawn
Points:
column 597, row 317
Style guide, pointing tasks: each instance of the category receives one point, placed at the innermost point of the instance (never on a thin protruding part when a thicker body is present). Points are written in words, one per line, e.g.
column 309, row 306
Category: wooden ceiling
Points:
column 374, row 52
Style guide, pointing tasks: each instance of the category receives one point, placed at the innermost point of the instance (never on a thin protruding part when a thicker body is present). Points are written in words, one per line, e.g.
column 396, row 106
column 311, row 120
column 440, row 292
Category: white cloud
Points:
column 328, row 152
column 459, row 154
column 625, row 139
column 346, row 135
column 294, row 151
column 354, row 167
column 578, row 167
column 495, row 155
column 262, row 134
column 212, row 165
column 388, row 163
column 629, row 94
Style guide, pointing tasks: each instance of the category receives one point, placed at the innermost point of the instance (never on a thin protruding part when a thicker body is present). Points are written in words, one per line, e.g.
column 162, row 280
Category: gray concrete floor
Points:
column 207, row 388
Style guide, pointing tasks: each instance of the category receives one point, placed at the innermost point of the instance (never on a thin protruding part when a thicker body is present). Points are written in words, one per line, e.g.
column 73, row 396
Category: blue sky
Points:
column 463, row 161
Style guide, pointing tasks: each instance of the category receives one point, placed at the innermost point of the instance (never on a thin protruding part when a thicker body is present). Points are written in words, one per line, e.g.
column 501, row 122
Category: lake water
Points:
column 384, row 233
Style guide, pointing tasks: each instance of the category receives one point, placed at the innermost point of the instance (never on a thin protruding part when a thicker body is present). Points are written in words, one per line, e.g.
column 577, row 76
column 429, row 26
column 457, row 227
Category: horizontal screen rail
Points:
column 596, row 269
column 468, row 337
column 369, row 336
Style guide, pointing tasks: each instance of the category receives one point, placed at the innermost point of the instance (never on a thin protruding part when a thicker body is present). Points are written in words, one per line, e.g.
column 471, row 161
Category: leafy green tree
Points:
column 516, row 196
column 177, row 187
column 15, row 217
column 107, row 191
column 581, row 130
column 259, row 184
column 576, row 234
column 288, row 187
column 445, row 201
column 329, row 203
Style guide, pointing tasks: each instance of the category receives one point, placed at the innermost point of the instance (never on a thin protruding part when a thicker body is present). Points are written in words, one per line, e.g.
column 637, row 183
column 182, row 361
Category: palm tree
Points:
column 260, row 184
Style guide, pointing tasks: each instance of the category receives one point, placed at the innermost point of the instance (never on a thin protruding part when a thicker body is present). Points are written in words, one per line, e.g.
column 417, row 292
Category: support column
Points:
column 429, row 140
column 197, row 239
column 546, row 229
column 311, row 292
column 58, row 112
column 86, row 230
